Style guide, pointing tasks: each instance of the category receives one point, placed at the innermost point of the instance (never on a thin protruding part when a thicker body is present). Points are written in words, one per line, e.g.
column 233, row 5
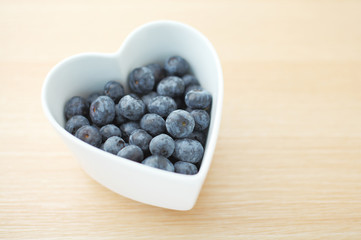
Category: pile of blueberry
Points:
column 163, row 122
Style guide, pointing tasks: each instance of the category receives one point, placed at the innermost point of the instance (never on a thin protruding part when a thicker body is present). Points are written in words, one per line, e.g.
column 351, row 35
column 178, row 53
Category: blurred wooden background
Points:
column 288, row 159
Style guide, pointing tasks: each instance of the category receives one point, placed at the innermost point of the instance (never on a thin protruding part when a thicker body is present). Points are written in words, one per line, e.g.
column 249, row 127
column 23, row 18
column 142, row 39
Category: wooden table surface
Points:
column 288, row 159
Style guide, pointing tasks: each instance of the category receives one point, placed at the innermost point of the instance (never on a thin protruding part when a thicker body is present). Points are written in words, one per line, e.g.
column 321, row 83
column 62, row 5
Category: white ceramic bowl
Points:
column 88, row 72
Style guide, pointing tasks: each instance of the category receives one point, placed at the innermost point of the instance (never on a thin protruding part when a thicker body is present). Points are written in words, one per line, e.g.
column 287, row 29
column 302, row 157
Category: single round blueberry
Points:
column 162, row 145
column 128, row 128
column 153, row 124
column 198, row 99
column 110, row 130
column 157, row 71
column 132, row 152
column 148, row 97
column 185, row 168
column 102, row 111
column 76, row 122
column 94, row 96
column 160, row 162
column 180, row 123
column 114, row 144
column 193, row 87
column 141, row 80
column 76, row 106
column 199, row 136
column 131, row 108
column 201, row 119
column 188, row 150
column 189, row 79
column 114, row 90
column 140, row 138
column 89, row 134
column 171, row 86
column 162, row 105
column 176, row 65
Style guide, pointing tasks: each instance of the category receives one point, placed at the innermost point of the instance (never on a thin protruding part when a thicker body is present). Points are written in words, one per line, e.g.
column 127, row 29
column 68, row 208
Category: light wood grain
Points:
column 288, row 160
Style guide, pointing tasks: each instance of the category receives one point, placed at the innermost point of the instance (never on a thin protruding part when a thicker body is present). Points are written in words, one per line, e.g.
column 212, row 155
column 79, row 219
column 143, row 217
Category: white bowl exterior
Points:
column 85, row 73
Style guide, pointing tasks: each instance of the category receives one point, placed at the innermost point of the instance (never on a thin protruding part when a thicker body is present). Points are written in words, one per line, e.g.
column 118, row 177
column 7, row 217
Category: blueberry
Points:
column 160, row 162
column 93, row 96
column 176, row 65
column 114, row 144
column 141, row 80
column 198, row 99
column 148, row 97
column 180, row 123
column 89, row 134
column 76, row 106
column 110, row 130
column 127, row 129
column 185, row 168
column 188, row 150
column 132, row 152
column 189, row 79
column 76, row 122
column 193, row 87
column 162, row 105
column 102, row 111
column 199, row 136
column 162, row 145
column 131, row 108
column 153, row 124
column 171, row 86
column 140, row 138
column 201, row 119
column 114, row 90
column 157, row 71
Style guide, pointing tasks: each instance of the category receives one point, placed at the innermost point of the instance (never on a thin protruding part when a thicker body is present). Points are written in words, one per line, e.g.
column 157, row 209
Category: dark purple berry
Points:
column 114, row 145
column 140, row 138
column 114, row 90
column 188, row 150
column 180, row 123
column 153, row 124
column 110, row 130
column 185, row 168
column 89, row 134
column 162, row 145
column 76, row 106
column 76, row 122
column 159, row 162
column 102, row 111
column 131, row 152
column 176, row 65
column 141, row 80
column 131, row 108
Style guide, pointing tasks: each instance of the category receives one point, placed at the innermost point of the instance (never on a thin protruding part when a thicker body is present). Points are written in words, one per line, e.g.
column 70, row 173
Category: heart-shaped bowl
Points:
column 83, row 74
